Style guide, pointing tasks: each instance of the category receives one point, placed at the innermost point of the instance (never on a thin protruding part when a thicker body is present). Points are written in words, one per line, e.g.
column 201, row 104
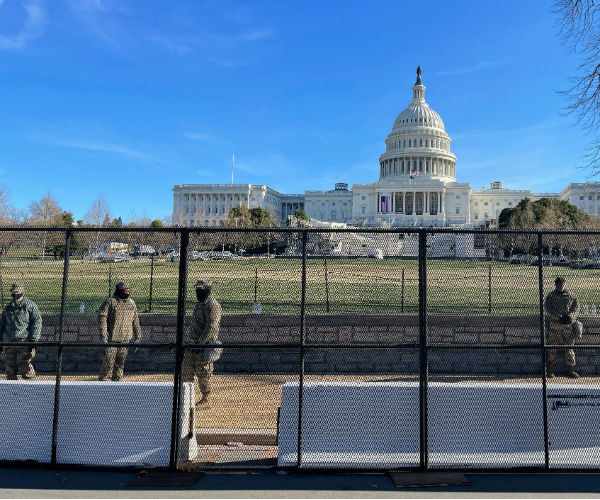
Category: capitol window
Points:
column 362, row 210
column 510, row 203
column 363, row 198
column 581, row 197
column 457, row 210
column 458, row 197
column 333, row 214
column 485, row 203
column 476, row 216
column 476, row 203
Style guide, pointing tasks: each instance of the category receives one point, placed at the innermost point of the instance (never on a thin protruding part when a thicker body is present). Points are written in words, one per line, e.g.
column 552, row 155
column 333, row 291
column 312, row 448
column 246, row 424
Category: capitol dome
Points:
column 418, row 145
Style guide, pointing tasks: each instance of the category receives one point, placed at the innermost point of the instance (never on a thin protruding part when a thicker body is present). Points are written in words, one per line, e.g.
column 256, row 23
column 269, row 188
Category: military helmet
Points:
column 560, row 280
column 203, row 284
column 17, row 287
column 122, row 285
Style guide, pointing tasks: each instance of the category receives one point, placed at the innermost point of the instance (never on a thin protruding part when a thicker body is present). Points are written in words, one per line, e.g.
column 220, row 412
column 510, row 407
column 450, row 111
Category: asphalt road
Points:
column 46, row 483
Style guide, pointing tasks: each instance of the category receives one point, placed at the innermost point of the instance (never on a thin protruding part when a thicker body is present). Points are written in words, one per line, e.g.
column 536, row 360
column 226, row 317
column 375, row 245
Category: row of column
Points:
column 586, row 197
column 423, row 165
column 290, row 209
column 211, row 204
column 411, row 202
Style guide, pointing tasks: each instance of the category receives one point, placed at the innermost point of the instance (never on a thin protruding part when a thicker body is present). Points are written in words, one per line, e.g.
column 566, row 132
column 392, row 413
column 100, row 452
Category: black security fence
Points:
column 354, row 348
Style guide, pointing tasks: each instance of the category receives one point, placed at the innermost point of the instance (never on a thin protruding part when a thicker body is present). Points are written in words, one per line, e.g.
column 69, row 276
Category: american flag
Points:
column 413, row 174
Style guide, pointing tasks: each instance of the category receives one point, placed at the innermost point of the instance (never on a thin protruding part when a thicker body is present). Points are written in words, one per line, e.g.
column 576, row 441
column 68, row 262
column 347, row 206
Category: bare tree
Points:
column 97, row 213
column 579, row 22
column 96, row 216
column 44, row 212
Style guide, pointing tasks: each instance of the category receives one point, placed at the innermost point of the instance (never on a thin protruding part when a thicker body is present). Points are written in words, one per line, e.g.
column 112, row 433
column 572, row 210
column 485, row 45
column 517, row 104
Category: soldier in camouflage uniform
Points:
column 204, row 327
column 562, row 310
column 20, row 322
column 119, row 322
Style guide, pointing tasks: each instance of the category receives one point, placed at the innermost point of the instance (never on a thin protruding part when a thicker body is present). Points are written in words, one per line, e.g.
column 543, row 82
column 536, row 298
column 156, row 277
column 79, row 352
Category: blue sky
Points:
column 124, row 99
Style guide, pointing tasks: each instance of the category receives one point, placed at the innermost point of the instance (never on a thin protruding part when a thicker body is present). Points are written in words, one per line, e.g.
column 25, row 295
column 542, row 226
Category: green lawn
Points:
column 354, row 285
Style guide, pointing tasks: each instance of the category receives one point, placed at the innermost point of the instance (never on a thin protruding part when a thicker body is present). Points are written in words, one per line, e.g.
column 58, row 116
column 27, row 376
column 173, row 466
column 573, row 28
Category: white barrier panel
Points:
column 100, row 423
column 376, row 425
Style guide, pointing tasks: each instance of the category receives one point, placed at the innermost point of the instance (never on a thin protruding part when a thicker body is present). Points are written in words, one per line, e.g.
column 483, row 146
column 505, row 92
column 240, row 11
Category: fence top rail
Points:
column 353, row 230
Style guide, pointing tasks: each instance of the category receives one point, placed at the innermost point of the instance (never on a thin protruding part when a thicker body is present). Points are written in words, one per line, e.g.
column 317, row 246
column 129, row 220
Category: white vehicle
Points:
column 110, row 247
column 376, row 253
column 119, row 256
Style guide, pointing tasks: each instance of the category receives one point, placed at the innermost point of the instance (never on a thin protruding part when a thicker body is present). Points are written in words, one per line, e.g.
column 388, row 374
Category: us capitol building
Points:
column 417, row 186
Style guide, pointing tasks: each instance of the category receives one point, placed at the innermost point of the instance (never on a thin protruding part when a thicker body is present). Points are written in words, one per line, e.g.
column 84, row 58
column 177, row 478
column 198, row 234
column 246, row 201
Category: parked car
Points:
column 140, row 250
column 120, row 256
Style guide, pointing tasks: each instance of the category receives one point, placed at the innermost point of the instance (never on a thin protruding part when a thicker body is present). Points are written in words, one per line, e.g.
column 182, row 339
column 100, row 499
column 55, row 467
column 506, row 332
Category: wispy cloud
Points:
column 115, row 23
column 32, row 28
column 98, row 146
column 252, row 36
column 482, row 65
column 526, row 157
column 200, row 136
column 266, row 165
column 203, row 172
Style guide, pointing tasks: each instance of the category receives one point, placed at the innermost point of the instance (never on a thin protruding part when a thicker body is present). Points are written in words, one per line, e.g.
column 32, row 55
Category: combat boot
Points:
column 204, row 401
column 573, row 373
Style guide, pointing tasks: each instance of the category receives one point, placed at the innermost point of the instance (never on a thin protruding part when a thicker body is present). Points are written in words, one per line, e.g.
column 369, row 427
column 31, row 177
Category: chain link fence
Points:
column 378, row 348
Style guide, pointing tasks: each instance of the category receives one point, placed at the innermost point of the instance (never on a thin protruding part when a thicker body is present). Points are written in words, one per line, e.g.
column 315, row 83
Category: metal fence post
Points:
column 1, row 285
column 302, row 340
column 402, row 298
column 326, row 284
column 423, row 367
column 255, row 284
column 63, row 301
column 151, row 282
column 489, row 288
column 109, row 279
column 543, row 349
column 181, row 298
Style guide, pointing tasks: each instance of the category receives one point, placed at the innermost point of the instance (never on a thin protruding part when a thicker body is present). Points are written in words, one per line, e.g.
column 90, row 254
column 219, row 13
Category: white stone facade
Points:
column 417, row 186
column 209, row 204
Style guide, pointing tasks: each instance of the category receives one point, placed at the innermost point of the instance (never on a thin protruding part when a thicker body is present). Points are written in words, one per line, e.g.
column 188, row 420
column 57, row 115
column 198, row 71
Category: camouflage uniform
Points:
column 119, row 322
column 20, row 322
column 557, row 304
column 204, row 327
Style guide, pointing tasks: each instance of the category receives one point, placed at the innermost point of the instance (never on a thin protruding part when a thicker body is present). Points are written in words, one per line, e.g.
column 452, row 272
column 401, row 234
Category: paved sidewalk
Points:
column 44, row 483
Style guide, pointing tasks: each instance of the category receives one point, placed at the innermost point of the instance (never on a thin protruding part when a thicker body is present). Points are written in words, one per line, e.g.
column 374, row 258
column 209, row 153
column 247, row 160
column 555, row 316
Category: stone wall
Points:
column 509, row 330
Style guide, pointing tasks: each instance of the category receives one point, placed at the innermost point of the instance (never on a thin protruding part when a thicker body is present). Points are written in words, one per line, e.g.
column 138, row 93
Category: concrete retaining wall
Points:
column 333, row 328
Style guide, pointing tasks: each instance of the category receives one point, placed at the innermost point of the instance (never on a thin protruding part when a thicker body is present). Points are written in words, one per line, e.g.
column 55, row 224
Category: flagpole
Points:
column 232, row 162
